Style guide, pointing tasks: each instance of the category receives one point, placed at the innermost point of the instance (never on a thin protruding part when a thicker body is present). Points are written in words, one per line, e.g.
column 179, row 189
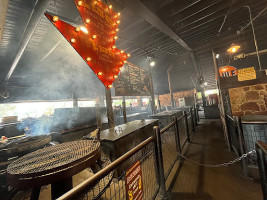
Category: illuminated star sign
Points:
column 95, row 41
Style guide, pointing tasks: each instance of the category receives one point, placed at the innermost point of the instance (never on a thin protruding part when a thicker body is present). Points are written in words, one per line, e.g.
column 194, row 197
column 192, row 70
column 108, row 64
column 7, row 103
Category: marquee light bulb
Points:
column 124, row 61
column 94, row 37
column 77, row 29
column 122, row 51
column 110, row 6
column 84, row 29
column 87, row 21
column 115, row 76
column 88, row 59
column 99, row 73
column 117, row 29
column 119, row 14
column 55, row 18
column 116, row 37
column 113, row 47
column 128, row 55
column 80, row 3
column 120, row 68
column 109, row 86
column 118, row 21
column 72, row 40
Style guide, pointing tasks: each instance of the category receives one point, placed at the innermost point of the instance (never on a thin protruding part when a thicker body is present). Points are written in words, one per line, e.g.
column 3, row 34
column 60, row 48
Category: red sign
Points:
column 227, row 71
column 95, row 40
column 134, row 185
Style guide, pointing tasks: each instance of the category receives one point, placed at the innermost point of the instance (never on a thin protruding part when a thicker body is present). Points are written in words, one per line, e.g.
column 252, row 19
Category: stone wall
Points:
column 249, row 100
column 165, row 99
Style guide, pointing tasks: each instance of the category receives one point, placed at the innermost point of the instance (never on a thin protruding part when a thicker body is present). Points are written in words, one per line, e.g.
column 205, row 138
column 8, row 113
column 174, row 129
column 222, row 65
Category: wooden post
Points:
column 110, row 115
column 124, row 109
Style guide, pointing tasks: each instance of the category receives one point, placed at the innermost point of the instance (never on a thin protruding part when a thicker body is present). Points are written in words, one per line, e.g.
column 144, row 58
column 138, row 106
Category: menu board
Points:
column 246, row 74
column 132, row 81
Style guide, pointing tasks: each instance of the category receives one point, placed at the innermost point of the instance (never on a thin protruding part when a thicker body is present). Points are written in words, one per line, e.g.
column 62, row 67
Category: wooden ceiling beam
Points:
column 3, row 11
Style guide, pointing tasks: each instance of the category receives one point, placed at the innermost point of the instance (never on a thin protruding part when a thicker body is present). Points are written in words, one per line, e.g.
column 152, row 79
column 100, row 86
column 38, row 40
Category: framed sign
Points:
column 227, row 71
column 246, row 74
column 132, row 81
column 133, row 181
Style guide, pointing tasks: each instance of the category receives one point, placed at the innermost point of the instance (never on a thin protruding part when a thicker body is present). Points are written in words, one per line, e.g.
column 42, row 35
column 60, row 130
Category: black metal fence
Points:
column 261, row 149
column 242, row 136
column 157, row 156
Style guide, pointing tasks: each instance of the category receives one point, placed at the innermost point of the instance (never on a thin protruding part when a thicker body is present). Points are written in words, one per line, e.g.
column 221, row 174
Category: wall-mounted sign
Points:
column 133, row 182
column 133, row 81
column 227, row 71
column 94, row 41
column 246, row 74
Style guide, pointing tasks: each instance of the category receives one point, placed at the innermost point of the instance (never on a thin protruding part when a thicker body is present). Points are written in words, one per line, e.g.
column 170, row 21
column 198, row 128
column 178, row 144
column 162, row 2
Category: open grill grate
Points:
column 53, row 157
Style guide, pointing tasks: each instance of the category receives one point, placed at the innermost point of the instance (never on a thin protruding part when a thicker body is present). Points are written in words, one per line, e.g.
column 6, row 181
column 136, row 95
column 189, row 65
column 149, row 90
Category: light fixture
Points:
column 110, row 6
column 205, row 83
column 93, row 37
column 120, row 68
column 124, row 61
column 113, row 47
column 152, row 63
column 117, row 29
column 84, row 29
column 87, row 21
column 118, row 21
column 109, row 86
column 55, row 18
column 234, row 48
column 122, row 51
column 119, row 14
column 128, row 55
column 99, row 73
column 77, row 29
column 72, row 40
column 88, row 59
column 115, row 76
column 217, row 55
column 116, row 37
column 80, row 3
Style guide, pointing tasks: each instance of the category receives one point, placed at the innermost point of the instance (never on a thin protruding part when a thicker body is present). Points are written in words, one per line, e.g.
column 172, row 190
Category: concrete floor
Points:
column 204, row 183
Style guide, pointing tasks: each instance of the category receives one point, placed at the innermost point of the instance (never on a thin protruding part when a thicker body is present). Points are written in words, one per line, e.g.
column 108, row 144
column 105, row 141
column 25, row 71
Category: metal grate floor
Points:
column 202, row 183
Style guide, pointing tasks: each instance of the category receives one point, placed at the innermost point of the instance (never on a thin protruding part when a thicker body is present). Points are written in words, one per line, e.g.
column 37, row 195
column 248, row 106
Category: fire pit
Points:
column 55, row 164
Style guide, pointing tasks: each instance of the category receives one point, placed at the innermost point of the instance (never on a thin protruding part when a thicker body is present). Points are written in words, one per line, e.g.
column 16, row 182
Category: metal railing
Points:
column 261, row 149
column 157, row 156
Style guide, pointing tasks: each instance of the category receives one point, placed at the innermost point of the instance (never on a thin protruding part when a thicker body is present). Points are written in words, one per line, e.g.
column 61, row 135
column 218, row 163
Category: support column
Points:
column 75, row 101
column 110, row 115
column 124, row 109
column 152, row 91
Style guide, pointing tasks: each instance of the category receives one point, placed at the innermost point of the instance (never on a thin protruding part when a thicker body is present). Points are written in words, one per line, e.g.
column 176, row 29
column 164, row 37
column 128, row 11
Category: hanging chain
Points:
column 220, row 165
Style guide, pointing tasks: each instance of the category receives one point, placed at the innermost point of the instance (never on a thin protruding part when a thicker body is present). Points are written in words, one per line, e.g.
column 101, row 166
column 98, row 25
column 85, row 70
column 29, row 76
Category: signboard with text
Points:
column 246, row 74
column 95, row 40
column 133, row 181
column 133, row 81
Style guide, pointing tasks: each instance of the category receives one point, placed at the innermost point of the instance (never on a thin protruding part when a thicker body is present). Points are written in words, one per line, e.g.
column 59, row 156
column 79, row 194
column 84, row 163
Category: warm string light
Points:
column 116, row 37
column 113, row 47
column 124, row 61
column 109, row 86
column 94, row 37
column 128, row 55
column 87, row 21
column 117, row 29
column 118, row 22
column 77, row 29
column 120, row 68
column 88, row 59
column 84, row 29
column 55, row 18
column 122, row 51
column 80, row 3
column 115, row 76
column 110, row 6
column 99, row 73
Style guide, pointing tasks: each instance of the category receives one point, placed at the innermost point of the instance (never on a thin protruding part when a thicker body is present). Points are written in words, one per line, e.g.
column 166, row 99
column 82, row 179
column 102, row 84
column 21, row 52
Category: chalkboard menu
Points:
column 133, row 81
